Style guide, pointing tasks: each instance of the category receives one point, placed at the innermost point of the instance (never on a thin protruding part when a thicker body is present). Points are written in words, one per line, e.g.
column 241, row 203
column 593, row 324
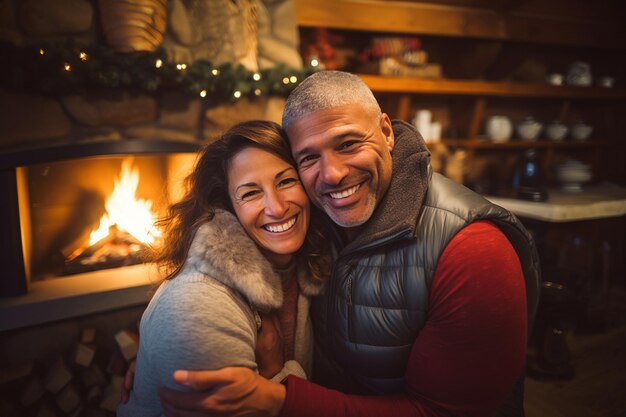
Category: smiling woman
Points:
column 239, row 263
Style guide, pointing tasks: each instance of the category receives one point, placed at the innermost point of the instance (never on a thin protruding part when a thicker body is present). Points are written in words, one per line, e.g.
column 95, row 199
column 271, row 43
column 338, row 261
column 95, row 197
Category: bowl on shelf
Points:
column 556, row 131
column 499, row 128
column 581, row 131
column 572, row 174
column 529, row 129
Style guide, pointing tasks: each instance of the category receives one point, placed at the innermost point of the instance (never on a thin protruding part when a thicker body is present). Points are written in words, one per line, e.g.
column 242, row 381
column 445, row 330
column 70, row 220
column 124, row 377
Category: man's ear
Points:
column 387, row 129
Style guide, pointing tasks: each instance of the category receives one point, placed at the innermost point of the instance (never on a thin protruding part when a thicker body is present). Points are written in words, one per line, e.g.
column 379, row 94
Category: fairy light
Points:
column 256, row 76
column 67, row 67
column 215, row 71
column 237, row 94
column 293, row 79
column 181, row 67
column 257, row 92
column 314, row 62
column 158, row 63
column 41, row 51
column 285, row 80
column 83, row 56
column 203, row 93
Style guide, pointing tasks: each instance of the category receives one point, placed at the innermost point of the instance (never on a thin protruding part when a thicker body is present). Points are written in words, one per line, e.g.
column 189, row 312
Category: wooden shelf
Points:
column 405, row 85
column 516, row 144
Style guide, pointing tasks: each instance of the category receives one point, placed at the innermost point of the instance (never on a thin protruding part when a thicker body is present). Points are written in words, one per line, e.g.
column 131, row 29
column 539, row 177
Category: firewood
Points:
column 57, row 377
column 128, row 343
column 93, row 376
column 88, row 335
column 84, row 355
column 45, row 410
column 32, row 392
column 68, row 399
column 112, row 394
column 14, row 373
column 117, row 364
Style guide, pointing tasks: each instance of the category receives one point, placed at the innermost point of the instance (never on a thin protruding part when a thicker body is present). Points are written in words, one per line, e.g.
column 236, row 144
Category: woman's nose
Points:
column 275, row 205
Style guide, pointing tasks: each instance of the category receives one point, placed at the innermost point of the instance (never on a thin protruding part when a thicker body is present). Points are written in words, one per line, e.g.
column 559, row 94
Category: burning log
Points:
column 118, row 248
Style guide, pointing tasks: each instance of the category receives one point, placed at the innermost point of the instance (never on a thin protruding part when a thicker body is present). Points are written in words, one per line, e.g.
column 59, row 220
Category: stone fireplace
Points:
column 62, row 151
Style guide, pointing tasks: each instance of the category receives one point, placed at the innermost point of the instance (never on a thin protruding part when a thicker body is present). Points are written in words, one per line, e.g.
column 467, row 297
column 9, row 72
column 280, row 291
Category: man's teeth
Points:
column 345, row 193
column 281, row 227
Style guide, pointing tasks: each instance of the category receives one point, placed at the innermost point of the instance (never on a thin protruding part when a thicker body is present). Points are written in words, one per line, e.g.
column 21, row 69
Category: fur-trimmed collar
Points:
column 222, row 249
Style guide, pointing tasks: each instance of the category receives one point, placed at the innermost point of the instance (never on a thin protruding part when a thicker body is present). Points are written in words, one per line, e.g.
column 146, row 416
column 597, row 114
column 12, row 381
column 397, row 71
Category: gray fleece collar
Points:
column 222, row 249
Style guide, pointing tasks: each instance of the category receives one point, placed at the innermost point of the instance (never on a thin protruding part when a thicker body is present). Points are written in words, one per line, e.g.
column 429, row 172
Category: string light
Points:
column 181, row 67
column 293, row 79
column 203, row 93
column 237, row 94
column 257, row 92
column 215, row 71
column 41, row 51
column 285, row 80
column 314, row 62
column 83, row 56
column 67, row 67
column 158, row 63
column 256, row 76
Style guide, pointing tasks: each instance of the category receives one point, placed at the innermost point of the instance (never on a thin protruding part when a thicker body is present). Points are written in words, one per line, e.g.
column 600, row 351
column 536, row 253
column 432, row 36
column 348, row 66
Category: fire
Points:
column 127, row 212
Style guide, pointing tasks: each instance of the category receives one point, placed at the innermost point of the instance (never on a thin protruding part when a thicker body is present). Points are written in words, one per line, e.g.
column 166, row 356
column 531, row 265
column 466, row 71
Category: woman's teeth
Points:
column 345, row 193
column 281, row 227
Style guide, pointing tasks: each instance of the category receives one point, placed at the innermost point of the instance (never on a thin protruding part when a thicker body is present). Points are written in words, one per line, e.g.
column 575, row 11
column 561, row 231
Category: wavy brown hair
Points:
column 207, row 190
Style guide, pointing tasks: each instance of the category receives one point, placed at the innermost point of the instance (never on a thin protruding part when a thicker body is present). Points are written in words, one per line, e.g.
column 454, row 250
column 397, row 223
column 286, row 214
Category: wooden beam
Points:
column 457, row 21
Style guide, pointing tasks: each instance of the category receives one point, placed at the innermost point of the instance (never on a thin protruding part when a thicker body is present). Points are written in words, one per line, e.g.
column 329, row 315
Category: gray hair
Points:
column 326, row 89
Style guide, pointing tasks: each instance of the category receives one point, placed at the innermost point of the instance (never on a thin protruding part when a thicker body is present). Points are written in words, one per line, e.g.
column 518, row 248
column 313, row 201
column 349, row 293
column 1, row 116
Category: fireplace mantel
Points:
column 79, row 295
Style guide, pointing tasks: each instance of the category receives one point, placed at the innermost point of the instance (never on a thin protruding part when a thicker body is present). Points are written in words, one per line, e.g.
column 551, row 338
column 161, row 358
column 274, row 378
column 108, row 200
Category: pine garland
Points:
column 68, row 69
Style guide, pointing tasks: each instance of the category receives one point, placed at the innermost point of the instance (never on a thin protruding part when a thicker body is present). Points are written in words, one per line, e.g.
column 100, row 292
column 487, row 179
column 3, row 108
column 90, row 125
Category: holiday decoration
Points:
column 67, row 69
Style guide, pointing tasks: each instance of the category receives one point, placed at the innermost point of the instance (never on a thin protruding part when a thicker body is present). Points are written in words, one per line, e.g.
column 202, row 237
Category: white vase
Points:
column 499, row 128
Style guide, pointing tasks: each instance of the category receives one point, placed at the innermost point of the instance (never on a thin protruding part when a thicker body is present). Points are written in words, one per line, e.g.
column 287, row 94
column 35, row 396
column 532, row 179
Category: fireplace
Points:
column 60, row 215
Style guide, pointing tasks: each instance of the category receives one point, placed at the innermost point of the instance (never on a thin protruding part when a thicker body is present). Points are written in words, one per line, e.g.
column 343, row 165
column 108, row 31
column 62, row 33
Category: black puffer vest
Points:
column 377, row 298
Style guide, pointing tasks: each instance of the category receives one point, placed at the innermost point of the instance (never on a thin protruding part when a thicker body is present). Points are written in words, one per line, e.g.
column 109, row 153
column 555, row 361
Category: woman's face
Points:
column 269, row 202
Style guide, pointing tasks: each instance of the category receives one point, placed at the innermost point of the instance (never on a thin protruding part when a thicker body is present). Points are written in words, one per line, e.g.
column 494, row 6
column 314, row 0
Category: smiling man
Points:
column 433, row 288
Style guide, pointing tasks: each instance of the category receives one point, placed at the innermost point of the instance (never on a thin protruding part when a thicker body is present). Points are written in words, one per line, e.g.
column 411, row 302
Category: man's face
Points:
column 343, row 156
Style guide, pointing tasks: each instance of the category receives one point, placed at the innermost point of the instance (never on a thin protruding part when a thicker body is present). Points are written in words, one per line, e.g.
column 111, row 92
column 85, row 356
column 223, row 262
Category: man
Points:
column 427, row 310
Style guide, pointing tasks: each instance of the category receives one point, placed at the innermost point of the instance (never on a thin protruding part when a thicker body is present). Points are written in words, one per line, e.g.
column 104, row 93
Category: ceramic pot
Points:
column 556, row 131
column 572, row 174
column 529, row 129
column 581, row 131
column 499, row 128
column 579, row 74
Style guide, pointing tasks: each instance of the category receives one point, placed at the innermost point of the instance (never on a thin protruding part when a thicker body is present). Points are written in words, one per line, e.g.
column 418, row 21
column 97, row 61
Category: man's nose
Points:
column 275, row 205
column 332, row 170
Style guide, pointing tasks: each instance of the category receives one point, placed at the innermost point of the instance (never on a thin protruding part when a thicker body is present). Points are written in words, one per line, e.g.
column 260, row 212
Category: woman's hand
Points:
column 128, row 382
column 269, row 346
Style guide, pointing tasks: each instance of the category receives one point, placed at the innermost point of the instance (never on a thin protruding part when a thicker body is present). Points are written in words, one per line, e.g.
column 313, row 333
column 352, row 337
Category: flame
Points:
column 127, row 212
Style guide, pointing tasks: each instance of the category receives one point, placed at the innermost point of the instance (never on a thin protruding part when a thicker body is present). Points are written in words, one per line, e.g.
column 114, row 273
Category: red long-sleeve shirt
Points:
column 471, row 349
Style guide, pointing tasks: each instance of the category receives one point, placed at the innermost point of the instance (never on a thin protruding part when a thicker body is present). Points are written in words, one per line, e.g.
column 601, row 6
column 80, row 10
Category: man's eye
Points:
column 347, row 144
column 307, row 159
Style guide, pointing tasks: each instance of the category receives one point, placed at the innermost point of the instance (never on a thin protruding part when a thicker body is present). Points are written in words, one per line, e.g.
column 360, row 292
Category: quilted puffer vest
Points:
column 377, row 298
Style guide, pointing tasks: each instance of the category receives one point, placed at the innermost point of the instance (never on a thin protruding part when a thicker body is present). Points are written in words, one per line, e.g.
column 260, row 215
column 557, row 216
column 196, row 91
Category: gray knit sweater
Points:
column 204, row 318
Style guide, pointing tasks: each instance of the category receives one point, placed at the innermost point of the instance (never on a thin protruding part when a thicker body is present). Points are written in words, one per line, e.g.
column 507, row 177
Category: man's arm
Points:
column 464, row 361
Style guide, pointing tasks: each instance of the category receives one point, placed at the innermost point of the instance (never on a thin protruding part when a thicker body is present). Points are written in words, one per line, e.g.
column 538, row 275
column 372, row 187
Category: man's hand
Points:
column 269, row 346
column 128, row 382
column 231, row 391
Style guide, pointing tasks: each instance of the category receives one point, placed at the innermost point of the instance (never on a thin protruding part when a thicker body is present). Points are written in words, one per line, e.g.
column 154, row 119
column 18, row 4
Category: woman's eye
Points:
column 287, row 181
column 249, row 195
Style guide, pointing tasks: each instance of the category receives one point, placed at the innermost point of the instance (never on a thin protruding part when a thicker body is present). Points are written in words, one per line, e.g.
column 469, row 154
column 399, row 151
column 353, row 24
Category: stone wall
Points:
column 216, row 30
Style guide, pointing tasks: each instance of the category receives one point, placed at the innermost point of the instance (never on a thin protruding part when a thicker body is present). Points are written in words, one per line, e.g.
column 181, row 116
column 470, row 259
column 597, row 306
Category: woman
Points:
column 236, row 246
